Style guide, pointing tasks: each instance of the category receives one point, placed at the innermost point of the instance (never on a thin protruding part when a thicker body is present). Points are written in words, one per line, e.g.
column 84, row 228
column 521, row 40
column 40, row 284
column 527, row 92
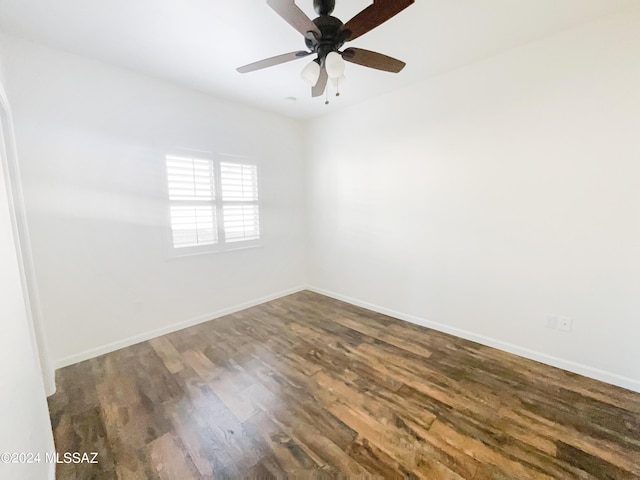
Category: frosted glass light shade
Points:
column 334, row 65
column 311, row 73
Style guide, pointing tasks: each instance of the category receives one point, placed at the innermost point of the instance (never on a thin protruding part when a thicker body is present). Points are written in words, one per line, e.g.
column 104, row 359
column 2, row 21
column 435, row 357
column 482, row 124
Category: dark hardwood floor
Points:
column 309, row 387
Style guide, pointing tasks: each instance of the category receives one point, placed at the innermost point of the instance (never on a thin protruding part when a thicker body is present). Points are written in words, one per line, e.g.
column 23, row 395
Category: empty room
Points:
column 269, row 239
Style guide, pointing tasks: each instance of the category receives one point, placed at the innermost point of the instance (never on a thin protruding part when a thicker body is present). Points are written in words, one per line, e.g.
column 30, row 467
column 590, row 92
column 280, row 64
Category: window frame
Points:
column 218, row 205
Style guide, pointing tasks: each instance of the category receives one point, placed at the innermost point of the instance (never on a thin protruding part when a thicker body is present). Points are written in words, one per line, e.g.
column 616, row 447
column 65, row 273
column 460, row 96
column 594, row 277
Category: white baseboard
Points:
column 143, row 337
column 585, row 370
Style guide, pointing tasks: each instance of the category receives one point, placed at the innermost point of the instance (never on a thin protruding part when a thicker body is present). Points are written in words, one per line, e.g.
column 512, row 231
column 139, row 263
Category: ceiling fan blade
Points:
column 370, row 59
column 270, row 62
column 293, row 15
column 372, row 16
column 321, row 84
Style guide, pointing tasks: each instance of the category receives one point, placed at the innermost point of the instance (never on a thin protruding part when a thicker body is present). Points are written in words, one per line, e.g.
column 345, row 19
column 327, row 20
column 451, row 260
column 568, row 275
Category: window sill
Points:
column 176, row 253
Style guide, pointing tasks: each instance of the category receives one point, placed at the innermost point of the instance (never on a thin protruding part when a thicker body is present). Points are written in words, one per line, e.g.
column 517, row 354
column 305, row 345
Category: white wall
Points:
column 486, row 198
column 24, row 417
column 92, row 141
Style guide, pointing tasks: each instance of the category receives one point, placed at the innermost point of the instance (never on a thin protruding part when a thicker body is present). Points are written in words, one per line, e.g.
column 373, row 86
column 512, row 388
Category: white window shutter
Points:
column 192, row 196
column 241, row 222
column 240, row 201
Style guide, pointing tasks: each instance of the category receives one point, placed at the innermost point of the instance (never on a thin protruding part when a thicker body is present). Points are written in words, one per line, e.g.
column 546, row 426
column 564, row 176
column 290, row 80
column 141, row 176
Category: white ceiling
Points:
column 199, row 43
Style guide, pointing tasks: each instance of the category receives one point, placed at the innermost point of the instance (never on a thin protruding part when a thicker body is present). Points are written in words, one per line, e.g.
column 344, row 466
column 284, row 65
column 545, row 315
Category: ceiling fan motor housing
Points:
column 331, row 38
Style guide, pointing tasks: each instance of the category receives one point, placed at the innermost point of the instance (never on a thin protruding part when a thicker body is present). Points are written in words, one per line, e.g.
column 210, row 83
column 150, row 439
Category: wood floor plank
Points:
column 169, row 459
column 329, row 455
column 310, row 387
column 170, row 356
column 288, row 453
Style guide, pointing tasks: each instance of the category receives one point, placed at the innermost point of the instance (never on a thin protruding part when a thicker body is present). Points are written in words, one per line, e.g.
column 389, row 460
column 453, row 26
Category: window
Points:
column 213, row 204
column 193, row 206
column 240, row 201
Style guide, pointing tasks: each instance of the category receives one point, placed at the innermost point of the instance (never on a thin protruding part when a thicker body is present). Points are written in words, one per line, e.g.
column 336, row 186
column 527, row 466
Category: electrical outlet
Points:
column 565, row 324
column 551, row 321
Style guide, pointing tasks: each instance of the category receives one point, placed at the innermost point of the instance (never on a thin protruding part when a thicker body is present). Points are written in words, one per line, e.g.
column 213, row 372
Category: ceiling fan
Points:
column 325, row 36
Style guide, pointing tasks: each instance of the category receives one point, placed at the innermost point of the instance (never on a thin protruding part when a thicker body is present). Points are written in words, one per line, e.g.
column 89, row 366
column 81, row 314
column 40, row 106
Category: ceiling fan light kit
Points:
column 325, row 36
column 310, row 73
column 334, row 64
